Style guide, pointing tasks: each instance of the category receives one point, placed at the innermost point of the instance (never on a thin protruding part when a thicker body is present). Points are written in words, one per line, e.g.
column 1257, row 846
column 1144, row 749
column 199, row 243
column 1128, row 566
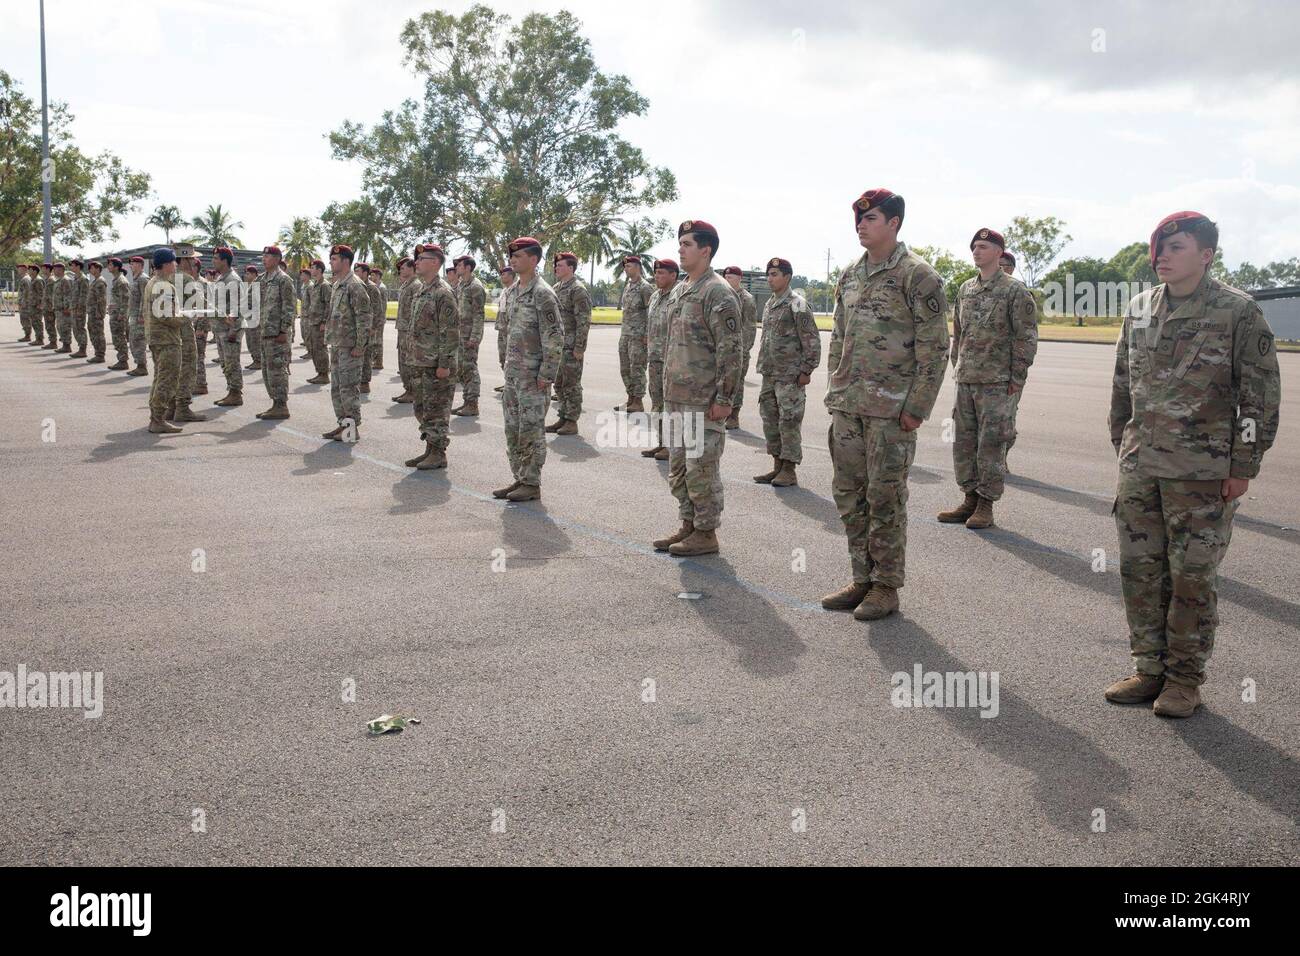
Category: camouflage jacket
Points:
column 534, row 333
column 136, row 303
column 405, row 299
column 119, row 296
column 378, row 314
column 226, row 293
column 575, row 312
column 702, row 345
column 994, row 331
column 1196, row 390
column 889, row 344
column 657, row 327
column 434, row 338
column 635, row 303
column 25, row 295
column 97, row 299
column 471, row 303
column 748, row 316
column 277, row 304
column 80, row 293
column 61, row 297
column 791, row 344
column 162, row 305
column 38, row 294
column 349, row 324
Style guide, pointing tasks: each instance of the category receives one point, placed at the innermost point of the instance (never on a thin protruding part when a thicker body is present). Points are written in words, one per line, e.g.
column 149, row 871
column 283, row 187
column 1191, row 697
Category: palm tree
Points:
column 216, row 229
column 595, row 243
column 301, row 240
column 637, row 240
column 166, row 218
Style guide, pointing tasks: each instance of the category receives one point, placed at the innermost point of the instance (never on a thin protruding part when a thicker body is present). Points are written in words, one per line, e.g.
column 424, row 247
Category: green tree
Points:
column 166, row 218
column 216, row 229
column 1036, row 243
column 1133, row 262
column 361, row 225
column 637, row 239
column 516, row 135
column 953, row 270
column 87, row 193
column 301, row 241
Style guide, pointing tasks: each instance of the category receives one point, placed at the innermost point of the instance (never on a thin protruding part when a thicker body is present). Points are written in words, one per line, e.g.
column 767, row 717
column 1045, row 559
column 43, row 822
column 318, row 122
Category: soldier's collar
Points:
column 777, row 299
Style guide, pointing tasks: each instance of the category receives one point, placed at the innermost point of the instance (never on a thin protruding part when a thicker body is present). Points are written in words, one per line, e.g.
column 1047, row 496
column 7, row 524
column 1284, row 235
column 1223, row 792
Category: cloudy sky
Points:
column 773, row 115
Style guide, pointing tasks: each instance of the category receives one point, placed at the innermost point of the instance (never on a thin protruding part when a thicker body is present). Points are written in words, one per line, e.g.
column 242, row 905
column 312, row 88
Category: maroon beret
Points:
column 776, row 262
column 466, row 260
column 504, row 269
column 114, row 261
column 376, row 270
column 1007, row 255
column 430, row 247
column 989, row 235
column 1184, row 221
column 870, row 200
column 568, row 257
column 272, row 251
column 404, row 261
column 57, row 265
column 733, row 271
column 524, row 242
column 699, row 225
column 317, row 264
column 139, row 259
column 668, row 264
column 631, row 260
column 223, row 251
column 451, row 270
column 75, row 262
column 252, row 269
column 341, row 249
column 94, row 264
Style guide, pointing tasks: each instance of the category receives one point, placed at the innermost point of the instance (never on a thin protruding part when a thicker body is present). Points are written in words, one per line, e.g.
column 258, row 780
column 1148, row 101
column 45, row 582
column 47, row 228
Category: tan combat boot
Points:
column 963, row 511
column 525, row 493
column 1136, row 689
column 159, row 427
column 412, row 462
column 232, row 400
column 365, row 388
column 199, row 390
column 187, row 414
column 1177, row 700
column 406, row 398
column 119, row 366
column 881, row 601
column 766, row 477
column 684, row 532
column 651, row 452
column 433, row 461
column 846, row 598
column 277, row 411
column 982, row 517
column 567, row 427
column 80, row 353
column 733, row 420
column 335, row 435
column 322, row 379
column 502, row 492
column 554, row 426
column 468, row 410
column 697, row 542
column 139, row 370
column 661, row 454
column 786, row 476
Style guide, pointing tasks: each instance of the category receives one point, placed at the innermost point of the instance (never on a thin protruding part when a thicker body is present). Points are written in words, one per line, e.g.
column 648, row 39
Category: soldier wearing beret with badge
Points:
column 666, row 273
column 995, row 338
column 96, row 310
column 789, row 351
column 433, row 353
column 163, row 325
column 632, row 357
column 575, row 314
column 1194, row 407
column 887, row 357
column 735, row 276
column 347, row 334
column 701, row 365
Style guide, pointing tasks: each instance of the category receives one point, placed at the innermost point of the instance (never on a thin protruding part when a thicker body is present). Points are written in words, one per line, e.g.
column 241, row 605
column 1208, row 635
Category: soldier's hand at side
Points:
column 442, row 373
column 719, row 413
column 577, row 354
column 232, row 338
column 357, row 353
column 909, row 423
column 1233, row 488
column 282, row 338
column 543, row 384
column 804, row 378
column 1013, row 388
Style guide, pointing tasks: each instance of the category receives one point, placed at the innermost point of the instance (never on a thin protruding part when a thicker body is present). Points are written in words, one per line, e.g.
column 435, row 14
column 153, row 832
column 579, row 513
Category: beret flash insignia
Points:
column 984, row 233
column 773, row 263
column 1170, row 228
column 687, row 226
column 864, row 203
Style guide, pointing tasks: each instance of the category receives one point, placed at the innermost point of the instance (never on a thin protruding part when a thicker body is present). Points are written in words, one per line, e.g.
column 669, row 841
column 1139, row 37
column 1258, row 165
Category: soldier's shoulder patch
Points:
column 1264, row 343
column 932, row 303
column 731, row 323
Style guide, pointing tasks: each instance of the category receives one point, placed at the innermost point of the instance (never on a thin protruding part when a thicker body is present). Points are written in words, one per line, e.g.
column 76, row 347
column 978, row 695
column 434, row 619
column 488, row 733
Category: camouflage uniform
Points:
column 164, row 330
column 701, row 364
column 315, row 314
column 226, row 294
column 189, row 351
column 471, row 299
column 119, row 310
column 1195, row 400
column 434, row 342
column 995, row 337
column 64, row 294
column 278, row 298
column 502, row 328
column 379, row 316
column 632, row 337
column 534, row 350
column 405, row 299
column 656, row 340
column 749, row 330
column 48, row 289
column 348, row 329
column 136, row 320
column 80, row 305
column 887, row 355
column 791, row 347
column 575, row 315
column 96, row 309
column 202, row 326
column 38, row 307
column 25, row 291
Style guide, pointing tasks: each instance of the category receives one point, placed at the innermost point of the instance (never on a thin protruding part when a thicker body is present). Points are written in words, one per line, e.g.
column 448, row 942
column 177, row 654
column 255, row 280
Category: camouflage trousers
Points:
column 64, row 330
column 569, row 387
column 229, row 352
column 314, row 339
column 1172, row 536
column 345, row 383
column 201, row 328
column 501, row 345
column 51, row 327
column 696, row 482
column 95, row 331
column 165, row 387
column 118, row 329
column 747, row 346
column 632, row 360
column 781, row 406
column 433, row 405
column 25, row 319
column 404, row 370
column 984, row 417
column 79, row 329
column 275, row 368
column 139, row 345
column 376, row 346
column 870, row 458
column 525, row 413
column 185, row 390
column 253, row 339
column 655, row 380
column 468, row 372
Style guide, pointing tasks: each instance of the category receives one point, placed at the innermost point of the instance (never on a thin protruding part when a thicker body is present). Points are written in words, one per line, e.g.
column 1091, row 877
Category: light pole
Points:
column 46, row 171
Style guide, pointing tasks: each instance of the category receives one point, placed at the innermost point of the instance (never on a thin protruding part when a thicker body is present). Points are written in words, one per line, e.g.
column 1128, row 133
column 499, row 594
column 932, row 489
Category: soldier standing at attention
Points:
column 887, row 357
column 304, row 298
column 277, row 308
column 380, row 293
column 995, row 337
column 161, row 307
column 471, row 303
column 38, row 305
column 534, row 350
column 119, row 311
column 701, row 365
column 575, row 316
column 253, row 332
column 64, row 293
column 408, row 288
column 632, row 356
column 190, row 298
column 791, row 348
column 362, row 271
column 80, row 301
column 433, row 347
column 139, row 341
column 316, row 311
column 748, row 327
column 47, row 299
column 96, row 309
column 227, row 293
column 202, row 323
column 24, row 302
column 507, row 280
column 1193, row 409
column 665, row 276
column 347, row 335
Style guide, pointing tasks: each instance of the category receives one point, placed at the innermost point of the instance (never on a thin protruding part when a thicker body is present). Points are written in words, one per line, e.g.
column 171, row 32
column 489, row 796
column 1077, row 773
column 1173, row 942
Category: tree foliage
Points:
column 1036, row 244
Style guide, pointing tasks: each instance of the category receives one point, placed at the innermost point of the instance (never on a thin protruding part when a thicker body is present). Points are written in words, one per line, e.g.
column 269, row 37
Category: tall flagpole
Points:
column 46, row 170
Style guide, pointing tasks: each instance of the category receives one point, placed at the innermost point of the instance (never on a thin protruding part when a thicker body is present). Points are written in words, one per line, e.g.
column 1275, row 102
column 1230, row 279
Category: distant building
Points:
column 243, row 257
column 1282, row 309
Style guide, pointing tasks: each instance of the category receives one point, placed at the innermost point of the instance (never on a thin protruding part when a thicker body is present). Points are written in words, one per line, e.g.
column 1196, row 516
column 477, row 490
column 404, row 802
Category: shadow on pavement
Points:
column 1253, row 766
column 419, row 491
column 529, row 534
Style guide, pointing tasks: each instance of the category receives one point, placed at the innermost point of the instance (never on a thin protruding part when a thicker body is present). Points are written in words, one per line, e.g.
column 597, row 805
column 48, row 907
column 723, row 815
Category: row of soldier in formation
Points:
column 1194, row 407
